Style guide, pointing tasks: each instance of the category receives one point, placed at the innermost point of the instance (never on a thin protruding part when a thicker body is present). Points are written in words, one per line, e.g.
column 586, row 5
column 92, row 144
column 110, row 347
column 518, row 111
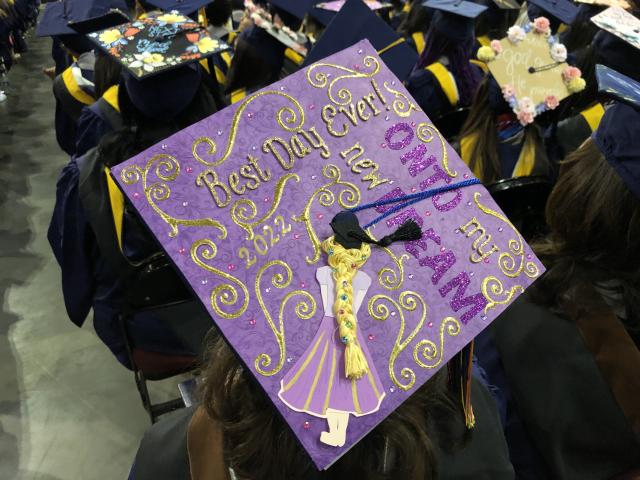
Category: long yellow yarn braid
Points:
column 345, row 264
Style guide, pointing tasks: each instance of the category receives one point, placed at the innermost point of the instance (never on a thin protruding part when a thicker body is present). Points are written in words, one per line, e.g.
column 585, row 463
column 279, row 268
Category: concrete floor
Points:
column 68, row 410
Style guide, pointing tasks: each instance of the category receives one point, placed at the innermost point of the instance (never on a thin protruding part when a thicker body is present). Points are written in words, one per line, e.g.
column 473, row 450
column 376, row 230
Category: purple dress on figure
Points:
column 317, row 381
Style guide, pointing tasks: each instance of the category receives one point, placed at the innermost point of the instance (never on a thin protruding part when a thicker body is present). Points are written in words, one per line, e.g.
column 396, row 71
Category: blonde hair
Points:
column 345, row 264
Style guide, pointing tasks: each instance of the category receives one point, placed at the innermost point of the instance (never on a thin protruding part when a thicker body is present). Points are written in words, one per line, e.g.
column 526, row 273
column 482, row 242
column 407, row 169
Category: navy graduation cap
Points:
column 297, row 8
column 184, row 7
column 562, row 10
column 58, row 17
column 461, row 8
column 322, row 15
column 355, row 22
column 618, row 135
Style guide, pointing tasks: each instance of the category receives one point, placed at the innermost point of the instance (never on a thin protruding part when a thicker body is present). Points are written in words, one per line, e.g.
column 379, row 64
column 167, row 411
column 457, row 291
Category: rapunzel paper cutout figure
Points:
column 336, row 377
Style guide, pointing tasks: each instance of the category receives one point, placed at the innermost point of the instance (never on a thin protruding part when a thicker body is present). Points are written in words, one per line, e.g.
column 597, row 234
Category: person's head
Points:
column 257, row 60
column 488, row 111
column 418, row 19
column 594, row 221
column 258, row 444
column 219, row 12
column 154, row 109
column 581, row 32
column 75, row 43
column 452, row 36
column 495, row 22
column 106, row 73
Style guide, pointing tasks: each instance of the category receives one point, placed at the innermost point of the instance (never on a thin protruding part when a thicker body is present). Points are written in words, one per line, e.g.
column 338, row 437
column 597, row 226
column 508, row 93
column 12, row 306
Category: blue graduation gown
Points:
column 88, row 281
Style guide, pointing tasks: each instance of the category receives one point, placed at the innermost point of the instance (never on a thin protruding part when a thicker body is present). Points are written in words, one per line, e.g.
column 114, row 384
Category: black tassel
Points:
column 408, row 231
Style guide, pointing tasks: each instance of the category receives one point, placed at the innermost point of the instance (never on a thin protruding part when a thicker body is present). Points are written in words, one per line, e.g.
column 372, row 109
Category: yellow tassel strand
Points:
column 345, row 264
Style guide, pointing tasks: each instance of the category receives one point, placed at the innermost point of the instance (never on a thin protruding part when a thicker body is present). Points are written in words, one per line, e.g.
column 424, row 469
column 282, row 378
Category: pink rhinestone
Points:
column 181, row 250
column 414, row 189
column 220, row 132
column 306, row 425
column 413, row 124
column 184, row 204
column 296, row 236
column 471, row 274
column 356, row 66
column 427, row 213
column 486, row 260
column 266, row 199
column 303, row 285
column 393, row 82
column 430, row 324
column 164, row 146
column 529, row 257
column 320, row 216
column 231, row 267
column 313, row 177
column 136, row 195
column 189, row 169
column 252, row 322
column 372, row 337
column 442, row 249
column 383, row 145
column 469, row 204
column 436, row 198
column 359, row 51
column 282, row 89
column 250, row 115
column 312, row 106
column 500, row 229
column 466, row 175
column 386, row 118
column 410, row 276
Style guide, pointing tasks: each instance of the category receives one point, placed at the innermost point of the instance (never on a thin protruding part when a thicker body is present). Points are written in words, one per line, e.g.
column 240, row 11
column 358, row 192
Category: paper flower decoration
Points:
column 486, row 54
column 496, row 46
column 576, row 85
column 558, row 52
column 551, row 102
column 542, row 25
column 516, row 34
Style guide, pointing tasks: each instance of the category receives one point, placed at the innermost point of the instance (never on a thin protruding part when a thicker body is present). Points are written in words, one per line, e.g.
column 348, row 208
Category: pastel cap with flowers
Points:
column 530, row 66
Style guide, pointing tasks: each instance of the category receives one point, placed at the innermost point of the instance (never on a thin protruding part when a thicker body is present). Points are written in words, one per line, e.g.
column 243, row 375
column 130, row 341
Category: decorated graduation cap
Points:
column 336, row 5
column 557, row 11
column 620, row 23
column 454, row 19
column 618, row 134
column 249, row 204
column 185, row 7
column 112, row 18
column 156, row 43
column 530, row 66
column 356, row 21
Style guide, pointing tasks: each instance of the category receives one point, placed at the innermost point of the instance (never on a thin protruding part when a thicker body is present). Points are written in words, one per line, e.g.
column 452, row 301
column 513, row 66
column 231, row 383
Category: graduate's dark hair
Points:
column 581, row 32
column 141, row 132
column 248, row 69
column 458, row 53
column 106, row 73
column 259, row 445
column 418, row 19
column 594, row 223
column 481, row 123
column 219, row 12
column 495, row 22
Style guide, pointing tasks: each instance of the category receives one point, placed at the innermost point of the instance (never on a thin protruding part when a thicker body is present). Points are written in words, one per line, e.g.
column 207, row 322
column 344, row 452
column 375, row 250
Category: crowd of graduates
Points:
column 556, row 379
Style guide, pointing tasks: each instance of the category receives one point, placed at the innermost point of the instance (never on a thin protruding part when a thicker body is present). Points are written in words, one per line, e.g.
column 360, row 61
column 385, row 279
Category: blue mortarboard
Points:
column 562, row 10
column 616, row 54
column 270, row 49
column 355, row 22
column 460, row 8
column 618, row 135
column 297, row 8
column 185, row 7
column 322, row 15
column 57, row 15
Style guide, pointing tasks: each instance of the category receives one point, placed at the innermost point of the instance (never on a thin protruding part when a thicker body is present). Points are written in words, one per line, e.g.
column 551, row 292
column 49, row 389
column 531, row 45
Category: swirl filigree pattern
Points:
column 225, row 294
column 318, row 78
column 391, row 278
column 426, row 353
column 291, row 119
column 493, row 289
column 513, row 262
column 348, row 197
column 425, row 133
column 304, row 309
column 166, row 169
column 402, row 105
column 379, row 310
column 245, row 211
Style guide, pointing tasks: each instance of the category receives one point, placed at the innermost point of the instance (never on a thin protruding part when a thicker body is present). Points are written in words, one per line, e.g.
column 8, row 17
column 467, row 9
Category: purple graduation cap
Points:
column 337, row 330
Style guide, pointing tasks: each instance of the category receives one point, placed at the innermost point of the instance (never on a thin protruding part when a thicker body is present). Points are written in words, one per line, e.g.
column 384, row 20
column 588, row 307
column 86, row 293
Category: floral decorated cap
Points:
column 620, row 23
column 338, row 338
column 159, row 42
column 530, row 66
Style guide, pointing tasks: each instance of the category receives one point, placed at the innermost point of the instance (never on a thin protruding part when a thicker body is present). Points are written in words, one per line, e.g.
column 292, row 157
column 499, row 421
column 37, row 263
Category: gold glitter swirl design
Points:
column 348, row 197
column 166, row 168
column 305, row 309
column 244, row 211
column 402, row 105
column 290, row 119
column 225, row 294
column 388, row 277
column 407, row 302
column 492, row 289
column 426, row 353
column 511, row 263
column 425, row 133
column 320, row 79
